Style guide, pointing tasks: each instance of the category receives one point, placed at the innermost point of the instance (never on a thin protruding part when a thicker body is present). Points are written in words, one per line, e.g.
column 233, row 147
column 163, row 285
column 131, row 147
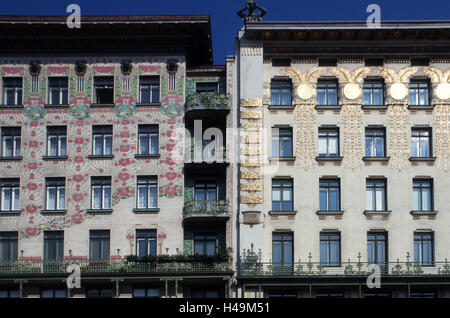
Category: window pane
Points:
column 323, row 199
column 380, row 199
column 333, row 146
column 322, row 146
column 98, row 145
column 107, row 197
column 416, row 199
column 142, row 195
column 51, row 198
column 334, row 200
column 6, row 199
column 62, row 197
column 96, row 197
column 369, row 200
column 108, row 145
column 426, row 200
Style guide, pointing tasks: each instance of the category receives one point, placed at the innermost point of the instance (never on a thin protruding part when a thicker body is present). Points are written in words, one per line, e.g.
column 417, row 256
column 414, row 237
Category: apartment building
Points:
column 345, row 163
column 92, row 124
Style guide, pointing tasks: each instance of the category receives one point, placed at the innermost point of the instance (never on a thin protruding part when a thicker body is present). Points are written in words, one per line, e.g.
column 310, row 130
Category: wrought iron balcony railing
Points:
column 207, row 100
column 249, row 268
column 206, row 208
column 198, row 156
column 108, row 266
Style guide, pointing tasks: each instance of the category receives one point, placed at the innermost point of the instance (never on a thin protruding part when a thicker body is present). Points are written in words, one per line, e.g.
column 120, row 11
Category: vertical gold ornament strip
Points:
column 399, row 149
column 441, row 118
column 353, row 150
column 305, row 120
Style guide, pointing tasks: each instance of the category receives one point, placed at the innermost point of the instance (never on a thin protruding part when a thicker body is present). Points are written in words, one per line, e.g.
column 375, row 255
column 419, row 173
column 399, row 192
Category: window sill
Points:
column 327, row 107
column 100, row 156
column 146, row 210
column 158, row 104
column 424, row 213
column 374, row 212
column 376, row 158
column 281, row 107
column 53, row 211
column 329, row 212
column 18, row 158
column 422, row 159
column 55, row 157
column 103, row 105
column 98, row 211
column 421, row 107
column 282, row 158
column 7, row 212
column 329, row 158
column 137, row 156
column 374, row 107
column 57, row 105
column 276, row 213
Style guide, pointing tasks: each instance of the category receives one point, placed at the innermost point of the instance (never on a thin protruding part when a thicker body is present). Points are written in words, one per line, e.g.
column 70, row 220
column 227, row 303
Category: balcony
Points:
column 197, row 155
column 169, row 264
column 207, row 101
column 206, row 209
column 250, row 269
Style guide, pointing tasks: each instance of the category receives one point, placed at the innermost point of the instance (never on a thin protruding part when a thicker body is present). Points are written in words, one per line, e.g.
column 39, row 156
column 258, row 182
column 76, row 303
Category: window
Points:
column 54, row 293
column 283, row 249
column 11, row 141
column 376, row 248
column 375, row 142
column 329, row 294
column 422, row 294
column 58, row 90
column 146, row 292
column 99, row 293
column 421, row 143
column 145, row 242
column 282, row 293
column 280, row 92
column 196, row 293
column 9, row 293
column 101, row 193
column 282, row 142
column 56, row 193
column 104, row 89
column 147, row 192
column 376, row 195
column 206, row 87
column 205, row 243
column 205, row 195
column 53, row 245
column 10, row 195
column 329, row 195
column 330, row 249
column 327, row 93
column 422, row 195
column 149, row 89
column 377, row 294
column 99, row 244
column 373, row 92
column 328, row 142
column 148, row 139
column 282, row 195
column 8, row 246
column 56, row 141
column 12, row 90
column 419, row 93
column 424, row 248
column 102, row 140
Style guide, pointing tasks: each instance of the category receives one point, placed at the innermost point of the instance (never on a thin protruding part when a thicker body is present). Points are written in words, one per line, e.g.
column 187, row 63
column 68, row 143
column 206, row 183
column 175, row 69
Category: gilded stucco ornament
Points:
column 442, row 79
column 443, row 91
column 441, row 119
column 353, row 151
column 399, row 149
column 398, row 90
column 352, row 91
column 305, row 147
column 305, row 90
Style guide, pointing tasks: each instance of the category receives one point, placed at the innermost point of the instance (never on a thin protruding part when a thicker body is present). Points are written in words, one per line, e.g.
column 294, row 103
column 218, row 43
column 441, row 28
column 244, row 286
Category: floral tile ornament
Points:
column 125, row 106
column 34, row 108
column 172, row 105
column 80, row 107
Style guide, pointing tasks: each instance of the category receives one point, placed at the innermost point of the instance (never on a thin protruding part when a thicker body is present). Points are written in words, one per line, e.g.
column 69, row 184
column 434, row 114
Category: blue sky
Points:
column 224, row 20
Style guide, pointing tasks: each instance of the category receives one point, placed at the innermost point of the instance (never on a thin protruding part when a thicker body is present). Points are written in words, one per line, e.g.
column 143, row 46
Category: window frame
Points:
column 327, row 85
column 329, row 263
column 374, row 193
column 11, row 132
column 284, row 185
column 150, row 237
column 103, row 131
column 57, row 183
column 148, row 182
column 103, row 183
column 419, row 259
column 284, row 237
column 375, row 246
column 12, row 184
column 150, row 86
column 419, row 138
column 368, row 85
column 18, row 91
column 60, row 133
column 147, row 131
column 281, row 85
column 373, row 151
column 279, row 134
column 328, row 182
column 102, row 236
column 106, row 86
column 421, row 188
column 11, row 240
column 62, row 100
column 204, row 242
column 416, row 91
column 327, row 130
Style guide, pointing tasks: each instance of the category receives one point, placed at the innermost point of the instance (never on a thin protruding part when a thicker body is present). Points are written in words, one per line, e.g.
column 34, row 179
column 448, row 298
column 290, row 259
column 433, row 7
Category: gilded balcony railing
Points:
column 306, row 269
column 109, row 266
column 207, row 100
column 206, row 208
